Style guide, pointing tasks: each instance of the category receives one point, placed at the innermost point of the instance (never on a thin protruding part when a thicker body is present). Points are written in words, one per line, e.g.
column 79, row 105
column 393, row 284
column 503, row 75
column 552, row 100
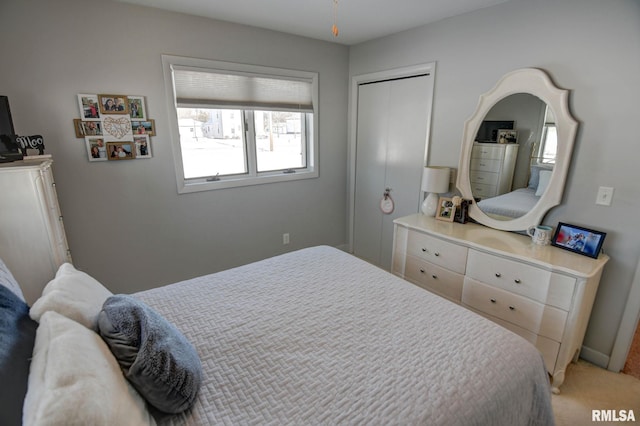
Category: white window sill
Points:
column 197, row 185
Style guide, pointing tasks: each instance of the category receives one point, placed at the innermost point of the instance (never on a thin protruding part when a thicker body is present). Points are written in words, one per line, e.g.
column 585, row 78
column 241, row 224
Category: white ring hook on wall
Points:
column 386, row 203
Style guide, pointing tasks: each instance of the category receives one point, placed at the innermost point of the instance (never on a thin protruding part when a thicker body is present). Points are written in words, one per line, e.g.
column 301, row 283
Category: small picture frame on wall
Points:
column 143, row 146
column 113, row 104
column 87, row 128
column 96, row 148
column 143, row 127
column 89, row 107
column 120, row 151
column 137, row 109
column 578, row 239
column 446, row 210
column 507, row 136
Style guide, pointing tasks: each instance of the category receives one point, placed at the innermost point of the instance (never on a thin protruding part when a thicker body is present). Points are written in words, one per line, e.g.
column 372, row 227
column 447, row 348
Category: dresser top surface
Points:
column 506, row 243
column 30, row 163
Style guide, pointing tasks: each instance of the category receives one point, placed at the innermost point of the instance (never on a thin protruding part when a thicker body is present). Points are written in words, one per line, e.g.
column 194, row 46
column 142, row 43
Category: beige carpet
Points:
column 587, row 388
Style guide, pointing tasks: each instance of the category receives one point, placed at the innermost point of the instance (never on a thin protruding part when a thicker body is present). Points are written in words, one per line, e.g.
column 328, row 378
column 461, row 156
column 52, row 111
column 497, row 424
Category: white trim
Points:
column 356, row 80
column 189, row 186
column 628, row 324
column 535, row 82
column 594, row 357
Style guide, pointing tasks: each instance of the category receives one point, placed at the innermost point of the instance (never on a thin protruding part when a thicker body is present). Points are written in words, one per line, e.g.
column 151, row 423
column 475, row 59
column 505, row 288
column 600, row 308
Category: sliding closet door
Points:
column 390, row 151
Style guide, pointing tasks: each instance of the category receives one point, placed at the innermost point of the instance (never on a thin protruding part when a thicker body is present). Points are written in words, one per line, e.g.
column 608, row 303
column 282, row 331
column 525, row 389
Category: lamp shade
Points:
column 436, row 179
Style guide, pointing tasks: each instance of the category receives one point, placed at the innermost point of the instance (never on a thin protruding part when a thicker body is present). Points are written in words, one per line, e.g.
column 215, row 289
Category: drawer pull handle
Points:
column 422, row 270
column 434, row 276
column 424, row 249
column 437, row 254
column 517, row 281
column 493, row 300
column 512, row 308
column 498, row 274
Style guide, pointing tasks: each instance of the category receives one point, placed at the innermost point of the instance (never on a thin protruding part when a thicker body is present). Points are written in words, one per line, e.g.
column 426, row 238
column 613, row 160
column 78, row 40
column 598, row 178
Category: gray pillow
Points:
column 534, row 177
column 155, row 357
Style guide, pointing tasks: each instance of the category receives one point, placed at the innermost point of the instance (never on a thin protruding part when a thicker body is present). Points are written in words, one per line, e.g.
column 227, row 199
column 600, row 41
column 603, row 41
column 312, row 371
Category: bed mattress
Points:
column 318, row 336
column 510, row 205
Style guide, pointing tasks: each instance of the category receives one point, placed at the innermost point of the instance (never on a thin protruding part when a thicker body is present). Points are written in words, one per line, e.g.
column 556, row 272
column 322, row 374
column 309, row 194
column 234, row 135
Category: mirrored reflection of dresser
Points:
column 542, row 293
column 491, row 169
column 33, row 243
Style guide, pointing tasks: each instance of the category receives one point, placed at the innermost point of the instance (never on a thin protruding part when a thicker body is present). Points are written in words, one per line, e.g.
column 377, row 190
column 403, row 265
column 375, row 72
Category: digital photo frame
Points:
column 578, row 239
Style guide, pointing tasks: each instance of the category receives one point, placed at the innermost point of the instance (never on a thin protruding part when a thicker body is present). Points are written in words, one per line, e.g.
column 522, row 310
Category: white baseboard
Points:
column 343, row 247
column 594, row 357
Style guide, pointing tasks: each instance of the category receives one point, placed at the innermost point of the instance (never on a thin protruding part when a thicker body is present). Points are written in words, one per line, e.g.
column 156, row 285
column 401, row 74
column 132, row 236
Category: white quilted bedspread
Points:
column 318, row 336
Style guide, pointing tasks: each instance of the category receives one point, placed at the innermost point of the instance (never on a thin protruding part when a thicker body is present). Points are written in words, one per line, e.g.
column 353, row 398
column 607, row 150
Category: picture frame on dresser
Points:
column 507, row 136
column 577, row 239
column 446, row 209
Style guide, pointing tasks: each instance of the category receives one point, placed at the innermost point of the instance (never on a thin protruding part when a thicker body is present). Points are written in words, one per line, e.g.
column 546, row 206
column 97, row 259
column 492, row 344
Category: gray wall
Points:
column 588, row 46
column 125, row 222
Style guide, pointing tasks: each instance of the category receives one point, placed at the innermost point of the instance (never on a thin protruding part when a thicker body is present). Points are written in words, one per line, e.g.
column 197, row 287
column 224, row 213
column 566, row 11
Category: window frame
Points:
column 253, row 177
column 541, row 158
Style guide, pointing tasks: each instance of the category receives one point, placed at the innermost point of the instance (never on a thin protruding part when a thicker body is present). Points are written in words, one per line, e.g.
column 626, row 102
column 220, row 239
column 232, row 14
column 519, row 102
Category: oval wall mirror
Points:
column 516, row 151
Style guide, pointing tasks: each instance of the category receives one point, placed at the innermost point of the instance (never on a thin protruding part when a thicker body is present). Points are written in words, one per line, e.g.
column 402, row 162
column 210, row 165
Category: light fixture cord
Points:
column 334, row 28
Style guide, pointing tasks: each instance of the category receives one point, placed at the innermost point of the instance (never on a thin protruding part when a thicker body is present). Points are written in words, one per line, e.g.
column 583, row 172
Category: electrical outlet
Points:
column 605, row 195
column 285, row 238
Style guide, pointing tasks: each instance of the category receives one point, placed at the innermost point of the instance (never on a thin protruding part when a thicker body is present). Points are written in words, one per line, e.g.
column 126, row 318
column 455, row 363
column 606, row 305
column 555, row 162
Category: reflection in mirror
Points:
column 512, row 169
column 516, row 151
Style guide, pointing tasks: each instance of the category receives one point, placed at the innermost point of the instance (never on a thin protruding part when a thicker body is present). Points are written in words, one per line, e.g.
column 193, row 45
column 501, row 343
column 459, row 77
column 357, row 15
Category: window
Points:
column 549, row 144
column 238, row 125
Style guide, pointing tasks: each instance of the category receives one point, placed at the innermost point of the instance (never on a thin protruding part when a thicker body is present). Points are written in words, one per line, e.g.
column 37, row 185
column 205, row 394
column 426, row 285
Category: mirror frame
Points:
column 537, row 83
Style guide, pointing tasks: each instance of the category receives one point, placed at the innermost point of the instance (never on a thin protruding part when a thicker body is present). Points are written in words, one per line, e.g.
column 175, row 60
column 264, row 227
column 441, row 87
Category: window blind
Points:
column 244, row 90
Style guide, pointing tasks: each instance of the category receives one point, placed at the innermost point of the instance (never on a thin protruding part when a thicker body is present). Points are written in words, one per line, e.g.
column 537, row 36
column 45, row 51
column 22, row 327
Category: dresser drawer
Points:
column 547, row 347
column 437, row 251
column 543, row 286
column 483, row 165
column 434, row 278
column 483, row 191
column 536, row 317
column 488, row 178
column 487, row 152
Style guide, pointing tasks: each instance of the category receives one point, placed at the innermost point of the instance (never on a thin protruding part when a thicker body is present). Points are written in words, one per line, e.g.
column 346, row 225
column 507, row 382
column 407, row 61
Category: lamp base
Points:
column 430, row 204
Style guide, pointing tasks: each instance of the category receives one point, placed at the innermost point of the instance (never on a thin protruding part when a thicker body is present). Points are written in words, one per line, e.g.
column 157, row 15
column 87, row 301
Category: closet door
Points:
column 390, row 153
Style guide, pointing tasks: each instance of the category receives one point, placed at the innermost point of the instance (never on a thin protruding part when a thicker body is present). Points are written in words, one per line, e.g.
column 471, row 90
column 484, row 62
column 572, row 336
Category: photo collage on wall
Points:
column 114, row 127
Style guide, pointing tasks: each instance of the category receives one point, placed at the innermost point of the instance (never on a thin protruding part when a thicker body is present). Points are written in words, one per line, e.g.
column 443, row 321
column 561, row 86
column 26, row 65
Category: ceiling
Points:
column 357, row 20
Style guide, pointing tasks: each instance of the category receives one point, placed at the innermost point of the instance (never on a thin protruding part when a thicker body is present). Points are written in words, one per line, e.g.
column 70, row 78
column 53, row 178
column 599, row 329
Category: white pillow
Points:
column 75, row 379
column 7, row 280
column 74, row 294
column 545, row 175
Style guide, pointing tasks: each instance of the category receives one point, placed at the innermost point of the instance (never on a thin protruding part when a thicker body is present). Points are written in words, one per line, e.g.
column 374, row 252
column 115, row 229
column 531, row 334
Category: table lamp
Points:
column 435, row 181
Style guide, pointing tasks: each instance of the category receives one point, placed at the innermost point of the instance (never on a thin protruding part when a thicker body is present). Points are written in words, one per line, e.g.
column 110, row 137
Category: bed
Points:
column 317, row 336
column 519, row 202
column 510, row 205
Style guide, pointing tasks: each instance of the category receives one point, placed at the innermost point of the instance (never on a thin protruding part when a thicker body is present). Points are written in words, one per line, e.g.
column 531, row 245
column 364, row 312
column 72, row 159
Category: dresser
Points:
column 33, row 243
column 542, row 293
column 491, row 168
